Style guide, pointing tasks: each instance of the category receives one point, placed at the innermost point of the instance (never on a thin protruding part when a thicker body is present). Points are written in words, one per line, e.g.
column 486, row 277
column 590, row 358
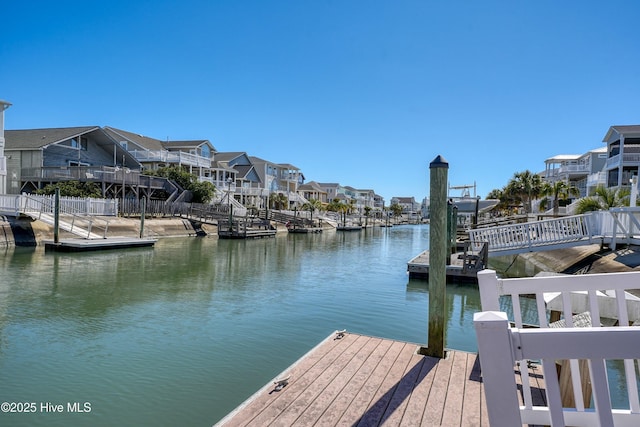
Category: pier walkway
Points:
column 616, row 226
column 357, row 380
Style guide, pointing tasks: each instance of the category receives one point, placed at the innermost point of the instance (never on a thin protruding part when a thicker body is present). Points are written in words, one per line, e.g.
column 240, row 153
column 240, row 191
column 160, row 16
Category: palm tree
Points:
column 525, row 187
column 604, row 199
column 396, row 210
column 560, row 190
column 278, row 200
column 311, row 206
column 367, row 212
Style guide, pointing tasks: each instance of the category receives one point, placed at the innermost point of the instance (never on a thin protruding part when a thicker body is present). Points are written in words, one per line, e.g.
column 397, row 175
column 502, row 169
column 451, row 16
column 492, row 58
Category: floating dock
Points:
column 245, row 229
column 458, row 270
column 349, row 228
column 304, row 230
column 84, row 245
column 351, row 379
column 463, row 267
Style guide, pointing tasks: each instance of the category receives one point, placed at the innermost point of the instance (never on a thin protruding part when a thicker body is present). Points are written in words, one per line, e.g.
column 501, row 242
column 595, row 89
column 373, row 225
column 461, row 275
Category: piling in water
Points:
column 438, row 250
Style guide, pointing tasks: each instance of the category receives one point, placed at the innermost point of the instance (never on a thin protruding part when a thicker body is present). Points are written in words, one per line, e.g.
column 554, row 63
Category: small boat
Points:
column 466, row 203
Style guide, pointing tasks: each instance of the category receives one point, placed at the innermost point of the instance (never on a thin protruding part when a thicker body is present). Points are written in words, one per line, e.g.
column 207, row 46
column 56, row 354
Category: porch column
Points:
column 3, row 160
column 620, row 164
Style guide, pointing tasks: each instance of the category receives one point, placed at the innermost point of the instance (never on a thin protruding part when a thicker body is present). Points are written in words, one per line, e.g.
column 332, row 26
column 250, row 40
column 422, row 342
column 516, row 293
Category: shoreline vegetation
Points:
column 576, row 260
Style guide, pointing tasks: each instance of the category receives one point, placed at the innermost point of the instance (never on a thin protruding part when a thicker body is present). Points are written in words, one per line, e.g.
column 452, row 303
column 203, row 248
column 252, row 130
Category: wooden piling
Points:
column 438, row 249
column 56, row 216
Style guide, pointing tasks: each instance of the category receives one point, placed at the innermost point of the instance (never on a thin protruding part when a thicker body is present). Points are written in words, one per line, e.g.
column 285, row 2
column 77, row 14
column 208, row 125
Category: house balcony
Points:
column 107, row 174
column 597, row 179
column 566, row 172
column 171, row 157
column 261, row 192
column 626, row 159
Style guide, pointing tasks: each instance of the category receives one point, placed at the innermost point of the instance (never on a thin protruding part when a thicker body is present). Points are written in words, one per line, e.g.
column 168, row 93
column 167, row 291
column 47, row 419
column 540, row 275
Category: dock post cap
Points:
column 439, row 162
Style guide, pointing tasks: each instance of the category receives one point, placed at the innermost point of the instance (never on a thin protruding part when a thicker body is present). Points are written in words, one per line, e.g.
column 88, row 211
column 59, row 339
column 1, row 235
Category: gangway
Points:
column 42, row 208
column 618, row 225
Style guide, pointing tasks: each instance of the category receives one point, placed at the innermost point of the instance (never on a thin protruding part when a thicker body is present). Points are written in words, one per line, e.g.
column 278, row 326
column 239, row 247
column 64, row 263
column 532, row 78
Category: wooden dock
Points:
column 463, row 267
column 349, row 228
column 366, row 381
column 358, row 380
column 84, row 245
column 245, row 229
column 304, row 230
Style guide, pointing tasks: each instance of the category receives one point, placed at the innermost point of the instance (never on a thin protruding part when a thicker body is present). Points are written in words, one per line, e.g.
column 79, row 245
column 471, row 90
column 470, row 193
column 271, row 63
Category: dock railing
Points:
column 527, row 301
column 613, row 227
column 83, row 212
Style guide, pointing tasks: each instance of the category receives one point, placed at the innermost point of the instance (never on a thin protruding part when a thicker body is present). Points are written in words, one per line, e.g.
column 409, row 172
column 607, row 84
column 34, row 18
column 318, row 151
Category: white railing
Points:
column 596, row 179
column 618, row 225
column 603, row 298
column 625, row 158
column 165, row 156
column 32, row 203
column 531, row 236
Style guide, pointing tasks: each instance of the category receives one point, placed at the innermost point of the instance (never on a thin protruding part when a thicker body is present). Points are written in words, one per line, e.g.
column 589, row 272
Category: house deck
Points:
column 360, row 380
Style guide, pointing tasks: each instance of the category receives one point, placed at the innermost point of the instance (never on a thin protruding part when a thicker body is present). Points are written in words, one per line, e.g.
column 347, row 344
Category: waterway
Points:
column 182, row 333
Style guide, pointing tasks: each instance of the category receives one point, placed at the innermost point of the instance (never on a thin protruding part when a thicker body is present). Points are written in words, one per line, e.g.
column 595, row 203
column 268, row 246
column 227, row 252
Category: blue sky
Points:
column 364, row 93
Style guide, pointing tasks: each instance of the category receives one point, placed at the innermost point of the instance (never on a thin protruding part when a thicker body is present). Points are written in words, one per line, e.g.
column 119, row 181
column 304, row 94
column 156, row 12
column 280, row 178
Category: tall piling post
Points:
column 143, row 207
column 438, row 251
column 56, row 216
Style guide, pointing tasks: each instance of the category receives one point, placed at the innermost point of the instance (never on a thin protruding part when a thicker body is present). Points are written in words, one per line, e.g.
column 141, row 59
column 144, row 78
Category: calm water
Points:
column 182, row 333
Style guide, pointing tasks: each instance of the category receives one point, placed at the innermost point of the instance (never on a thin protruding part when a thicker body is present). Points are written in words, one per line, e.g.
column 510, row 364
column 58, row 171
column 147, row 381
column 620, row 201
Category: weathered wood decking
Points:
column 358, row 380
column 459, row 269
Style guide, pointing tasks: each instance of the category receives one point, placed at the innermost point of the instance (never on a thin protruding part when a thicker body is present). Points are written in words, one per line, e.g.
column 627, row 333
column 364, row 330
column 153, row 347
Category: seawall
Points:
column 24, row 231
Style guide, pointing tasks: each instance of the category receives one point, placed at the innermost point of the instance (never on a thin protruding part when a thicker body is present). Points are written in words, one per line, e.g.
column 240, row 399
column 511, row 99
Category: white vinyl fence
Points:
column 604, row 298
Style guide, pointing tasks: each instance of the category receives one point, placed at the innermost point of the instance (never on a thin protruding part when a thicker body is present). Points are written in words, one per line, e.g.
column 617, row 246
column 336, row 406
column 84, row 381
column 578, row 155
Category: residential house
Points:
column 409, row 205
column 37, row 157
column 332, row 190
column 241, row 177
column 623, row 155
column 378, row 202
column 582, row 171
column 313, row 190
column 360, row 199
column 193, row 156
column 281, row 178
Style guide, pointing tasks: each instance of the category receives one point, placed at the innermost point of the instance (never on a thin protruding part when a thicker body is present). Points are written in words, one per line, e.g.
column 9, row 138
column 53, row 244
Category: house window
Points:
column 205, row 151
column 124, row 145
column 78, row 143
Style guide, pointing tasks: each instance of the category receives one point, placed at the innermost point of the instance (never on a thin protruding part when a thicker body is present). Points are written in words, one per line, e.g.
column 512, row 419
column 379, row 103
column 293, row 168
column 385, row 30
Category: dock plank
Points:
column 359, row 380
column 301, row 403
column 421, row 392
column 372, row 384
column 325, row 400
column 435, row 405
column 385, row 392
column 452, row 412
column 344, row 402
column 472, row 411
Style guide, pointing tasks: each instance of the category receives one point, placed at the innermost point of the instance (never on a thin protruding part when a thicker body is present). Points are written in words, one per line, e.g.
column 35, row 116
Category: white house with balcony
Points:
column 623, row 155
column 194, row 156
column 582, row 171
column 281, row 178
column 313, row 190
column 235, row 172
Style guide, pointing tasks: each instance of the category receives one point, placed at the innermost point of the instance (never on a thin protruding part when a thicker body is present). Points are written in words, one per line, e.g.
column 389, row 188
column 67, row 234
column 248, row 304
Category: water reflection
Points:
column 198, row 325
